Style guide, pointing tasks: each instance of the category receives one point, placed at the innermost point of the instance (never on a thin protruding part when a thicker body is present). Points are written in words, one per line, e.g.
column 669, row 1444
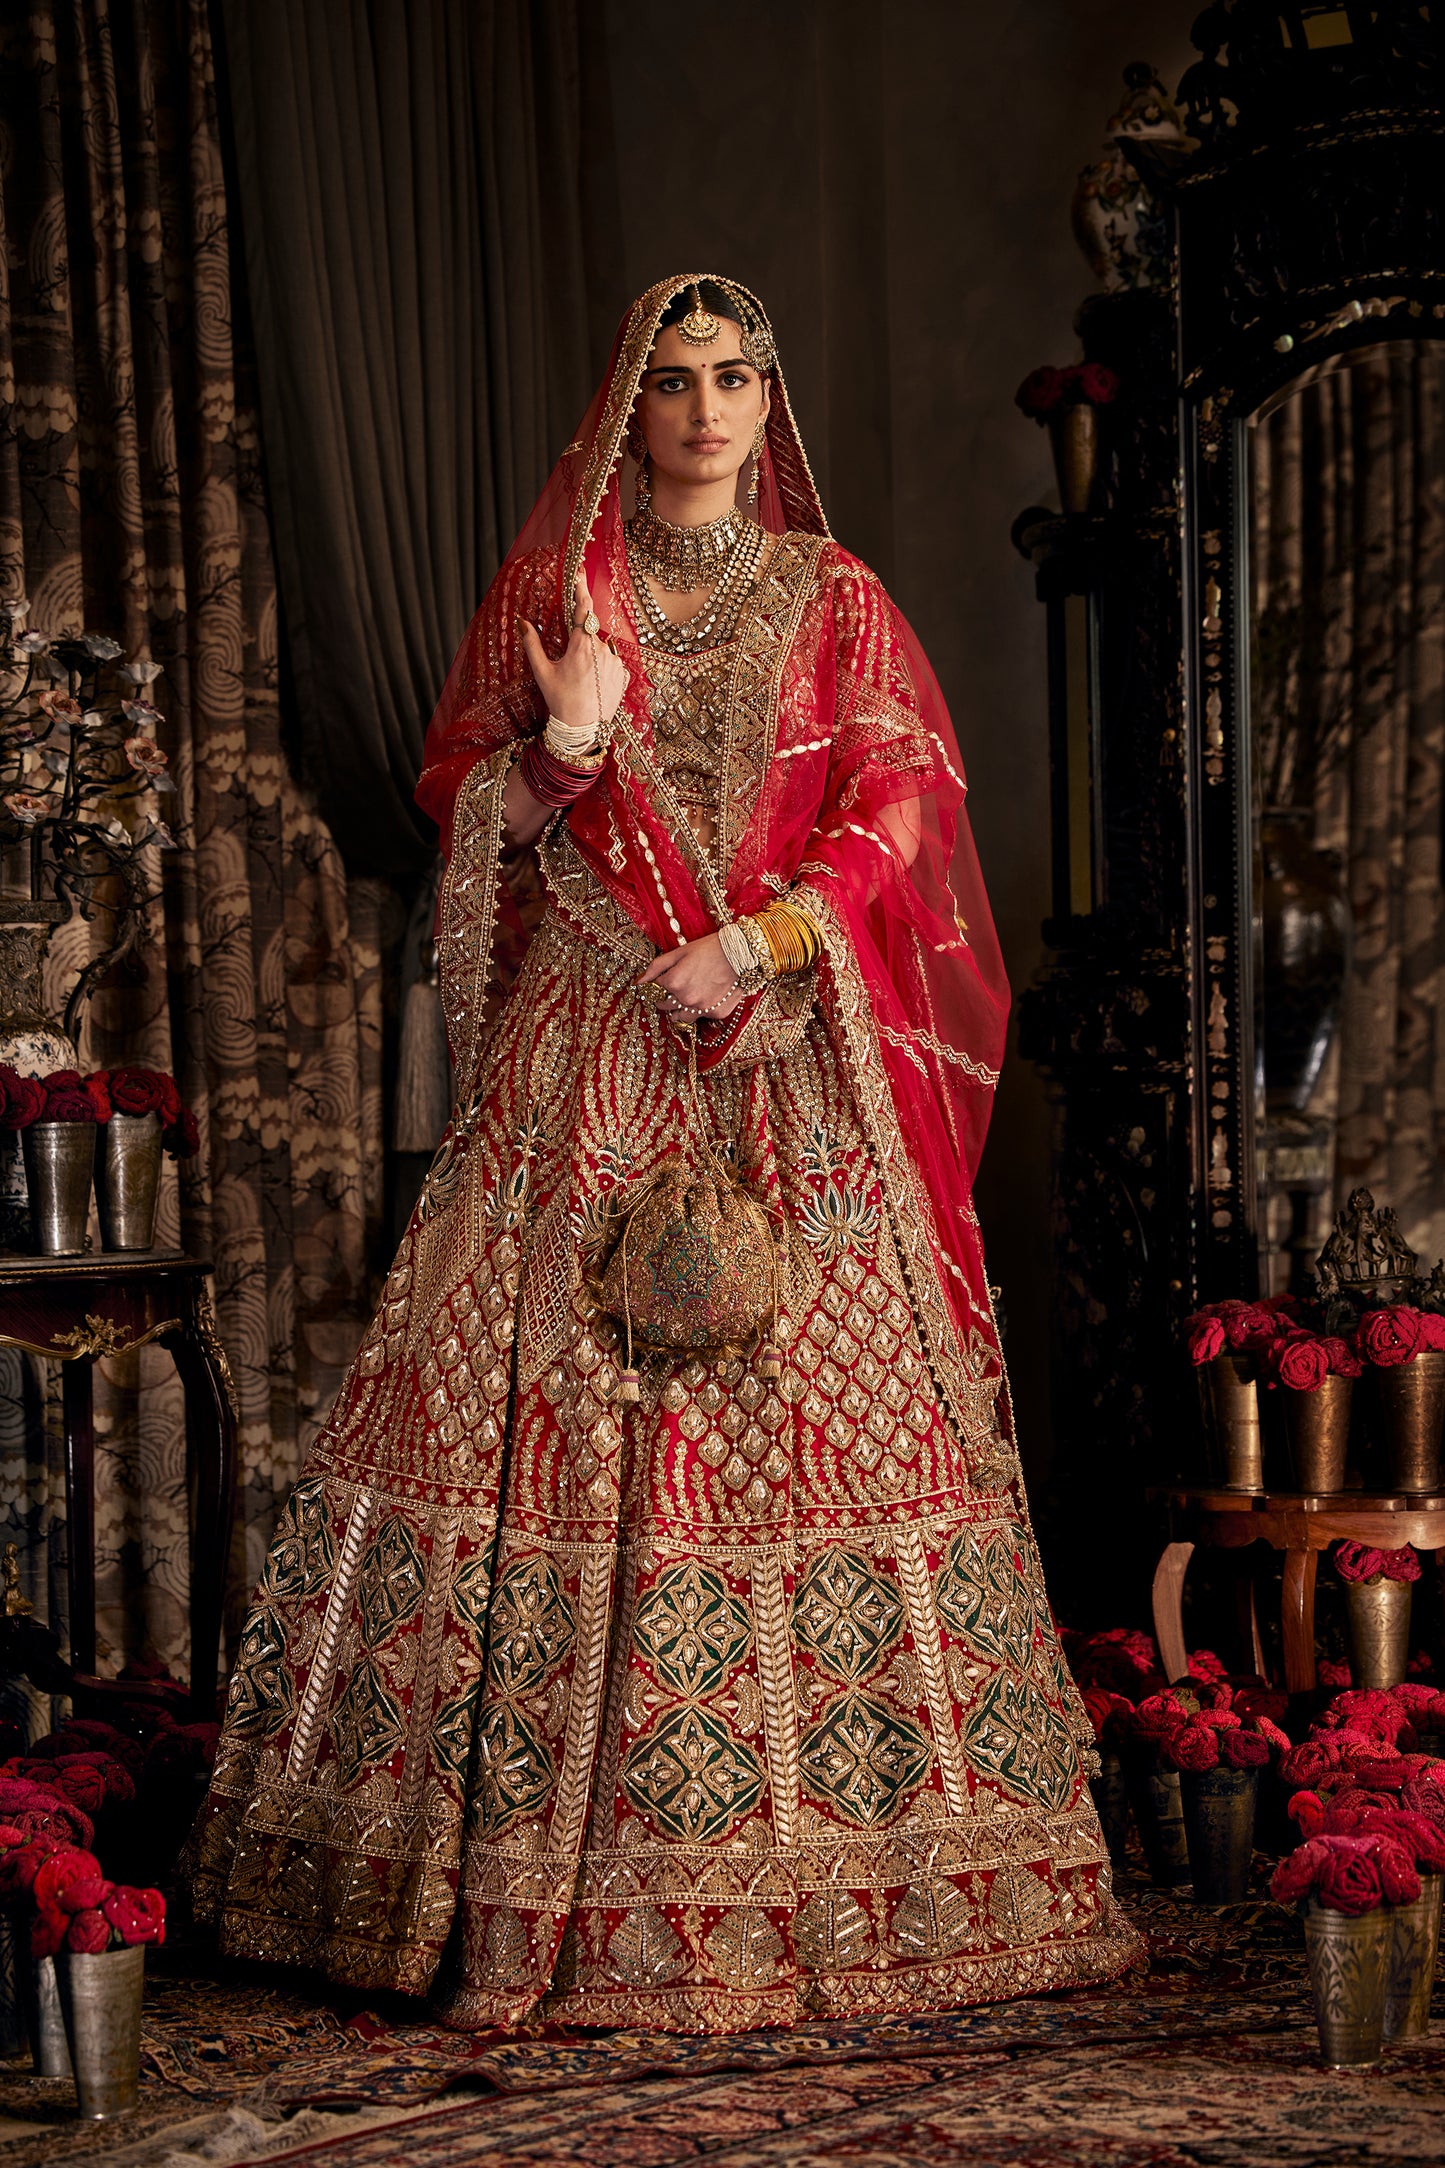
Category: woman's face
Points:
column 699, row 406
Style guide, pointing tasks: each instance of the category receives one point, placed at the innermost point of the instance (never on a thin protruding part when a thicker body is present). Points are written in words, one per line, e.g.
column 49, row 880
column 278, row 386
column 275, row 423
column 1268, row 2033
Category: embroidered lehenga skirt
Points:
column 736, row 1705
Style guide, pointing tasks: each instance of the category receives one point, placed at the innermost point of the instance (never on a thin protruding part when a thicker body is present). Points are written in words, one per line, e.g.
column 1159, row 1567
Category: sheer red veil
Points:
column 867, row 729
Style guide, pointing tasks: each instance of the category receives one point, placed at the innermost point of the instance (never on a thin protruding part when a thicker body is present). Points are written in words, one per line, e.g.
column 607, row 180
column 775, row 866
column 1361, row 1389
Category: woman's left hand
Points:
column 697, row 980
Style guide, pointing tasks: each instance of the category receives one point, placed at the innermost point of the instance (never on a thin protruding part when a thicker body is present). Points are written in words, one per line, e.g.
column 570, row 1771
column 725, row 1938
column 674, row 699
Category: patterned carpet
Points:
column 1208, row 2059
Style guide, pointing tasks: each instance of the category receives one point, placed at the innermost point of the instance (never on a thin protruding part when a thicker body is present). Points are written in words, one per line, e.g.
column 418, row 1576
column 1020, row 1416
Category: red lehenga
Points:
column 745, row 1702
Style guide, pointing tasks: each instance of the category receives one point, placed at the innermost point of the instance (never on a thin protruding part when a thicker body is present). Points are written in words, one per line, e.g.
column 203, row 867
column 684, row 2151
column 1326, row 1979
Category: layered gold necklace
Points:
column 722, row 555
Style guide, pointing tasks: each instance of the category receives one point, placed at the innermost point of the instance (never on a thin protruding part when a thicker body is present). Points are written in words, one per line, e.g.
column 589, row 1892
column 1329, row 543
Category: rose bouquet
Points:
column 66, row 1096
column 1363, row 1563
column 1081, row 383
column 1386, row 1338
column 1350, row 1874
column 71, row 1903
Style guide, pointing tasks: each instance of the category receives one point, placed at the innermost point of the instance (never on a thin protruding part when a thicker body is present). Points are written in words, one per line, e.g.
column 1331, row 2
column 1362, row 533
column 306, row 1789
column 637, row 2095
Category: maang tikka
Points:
column 699, row 327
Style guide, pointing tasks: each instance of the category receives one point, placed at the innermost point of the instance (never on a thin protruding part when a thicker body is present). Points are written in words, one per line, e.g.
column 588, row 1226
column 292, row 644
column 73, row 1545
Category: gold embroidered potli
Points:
column 743, row 1702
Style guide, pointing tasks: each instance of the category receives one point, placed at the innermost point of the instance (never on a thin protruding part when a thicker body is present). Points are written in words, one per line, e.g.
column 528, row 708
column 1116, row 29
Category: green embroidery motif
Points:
column 302, row 1553
column 863, row 1759
column 691, row 1776
column 532, row 1626
column 515, row 1772
column 262, row 1696
column 683, row 1265
column 691, row 1630
column 984, row 1597
column 845, row 1613
column 1014, row 1737
column 366, row 1723
column 392, row 1580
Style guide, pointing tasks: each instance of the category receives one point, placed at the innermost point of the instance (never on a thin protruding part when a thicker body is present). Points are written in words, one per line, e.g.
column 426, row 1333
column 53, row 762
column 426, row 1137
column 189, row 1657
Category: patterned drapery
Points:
column 1349, row 538
column 132, row 502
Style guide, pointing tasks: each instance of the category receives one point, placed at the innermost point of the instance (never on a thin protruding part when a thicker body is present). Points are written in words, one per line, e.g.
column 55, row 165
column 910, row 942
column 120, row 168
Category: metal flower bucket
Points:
column 59, row 1161
column 1349, row 1959
column 128, row 1181
column 1413, row 1950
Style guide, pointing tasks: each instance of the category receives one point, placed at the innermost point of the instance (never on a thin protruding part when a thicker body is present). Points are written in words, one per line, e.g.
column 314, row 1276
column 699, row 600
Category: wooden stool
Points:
column 74, row 1309
column 1299, row 1523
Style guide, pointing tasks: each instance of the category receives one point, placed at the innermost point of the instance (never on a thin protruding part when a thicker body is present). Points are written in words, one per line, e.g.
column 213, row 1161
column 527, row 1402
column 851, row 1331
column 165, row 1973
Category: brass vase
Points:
column 1231, row 1420
column 31, row 1039
column 1379, row 1616
column 128, row 1181
column 100, row 1998
column 1317, row 1425
column 1158, row 1814
column 59, row 1161
column 1219, row 1808
column 1075, row 439
column 1111, row 1800
column 1349, row 1962
column 1412, row 1402
column 1413, row 1952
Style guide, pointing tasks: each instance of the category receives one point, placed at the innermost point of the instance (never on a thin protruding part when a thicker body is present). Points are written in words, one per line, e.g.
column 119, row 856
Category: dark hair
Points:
column 716, row 299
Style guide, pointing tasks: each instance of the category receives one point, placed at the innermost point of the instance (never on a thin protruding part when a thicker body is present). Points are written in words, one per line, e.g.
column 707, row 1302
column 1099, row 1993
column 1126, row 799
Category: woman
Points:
column 656, row 1636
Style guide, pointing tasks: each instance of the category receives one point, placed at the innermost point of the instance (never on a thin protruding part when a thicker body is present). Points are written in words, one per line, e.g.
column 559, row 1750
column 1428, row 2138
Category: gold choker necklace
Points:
column 683, row 559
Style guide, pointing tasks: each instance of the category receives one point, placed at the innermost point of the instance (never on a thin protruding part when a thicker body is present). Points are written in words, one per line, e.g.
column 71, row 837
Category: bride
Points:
column 656, row 1636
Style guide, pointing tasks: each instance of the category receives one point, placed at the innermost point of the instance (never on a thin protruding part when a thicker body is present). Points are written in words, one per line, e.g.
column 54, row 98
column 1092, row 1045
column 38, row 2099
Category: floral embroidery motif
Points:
column 862, row 1759
column 643, row 1950
column 302, row 1553
column 392, row 1579
column 983, row 1596
column 834, row 1219
column 515, row 1772
column 845, row 1614
column 745, row 1948
column 504, row 1205
column 262, row 1695
column 1016, row 1738
column 366, row 1723
column 691, row 1776
column 693, row 1632
column 532, row 1625
column 833, row 1932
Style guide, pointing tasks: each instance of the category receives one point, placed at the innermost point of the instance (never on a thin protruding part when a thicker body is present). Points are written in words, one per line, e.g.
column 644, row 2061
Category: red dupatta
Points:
column 864, row 728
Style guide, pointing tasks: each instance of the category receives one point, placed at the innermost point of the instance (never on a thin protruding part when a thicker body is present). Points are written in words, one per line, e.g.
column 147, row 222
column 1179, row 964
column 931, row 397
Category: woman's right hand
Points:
column 586, row 682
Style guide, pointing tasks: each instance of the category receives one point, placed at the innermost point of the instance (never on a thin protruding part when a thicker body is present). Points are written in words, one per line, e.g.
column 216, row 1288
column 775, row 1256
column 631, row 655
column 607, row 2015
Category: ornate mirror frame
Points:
column 1285, row 213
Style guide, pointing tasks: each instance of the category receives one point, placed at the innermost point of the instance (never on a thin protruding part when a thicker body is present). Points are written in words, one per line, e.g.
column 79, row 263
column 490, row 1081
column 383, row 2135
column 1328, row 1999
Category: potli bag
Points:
column 692, row 1266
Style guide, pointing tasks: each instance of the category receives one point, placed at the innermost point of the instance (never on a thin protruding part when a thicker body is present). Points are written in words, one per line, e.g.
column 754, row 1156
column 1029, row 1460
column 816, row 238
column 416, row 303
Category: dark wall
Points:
column 895, row 183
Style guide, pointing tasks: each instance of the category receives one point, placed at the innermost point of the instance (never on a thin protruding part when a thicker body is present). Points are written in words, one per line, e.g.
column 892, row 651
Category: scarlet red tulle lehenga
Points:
column 744, row 1703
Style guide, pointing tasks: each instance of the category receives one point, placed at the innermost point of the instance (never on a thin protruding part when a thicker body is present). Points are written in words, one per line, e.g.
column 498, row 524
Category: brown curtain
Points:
column 1350, row 569
column 131, row 503
column 409, row 178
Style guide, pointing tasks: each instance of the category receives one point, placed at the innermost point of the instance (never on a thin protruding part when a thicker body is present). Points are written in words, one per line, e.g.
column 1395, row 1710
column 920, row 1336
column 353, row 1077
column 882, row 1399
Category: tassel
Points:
column 628, row 1389
column 770, row 1360
column 423, row 1068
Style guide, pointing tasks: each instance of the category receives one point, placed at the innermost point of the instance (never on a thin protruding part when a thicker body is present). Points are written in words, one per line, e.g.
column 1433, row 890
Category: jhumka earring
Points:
column 760, row 438
column 644, row 486
column 637, row 449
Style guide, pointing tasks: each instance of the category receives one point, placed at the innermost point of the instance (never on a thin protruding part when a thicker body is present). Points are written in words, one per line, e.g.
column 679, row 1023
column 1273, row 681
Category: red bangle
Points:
column 550, row 780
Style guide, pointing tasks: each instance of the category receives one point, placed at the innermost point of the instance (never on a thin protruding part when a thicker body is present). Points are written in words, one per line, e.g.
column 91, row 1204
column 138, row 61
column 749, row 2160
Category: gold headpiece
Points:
column 699, row 327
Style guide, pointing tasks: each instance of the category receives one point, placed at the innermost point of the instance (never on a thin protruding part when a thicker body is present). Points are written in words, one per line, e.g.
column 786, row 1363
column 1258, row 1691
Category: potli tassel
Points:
column 770, row 1355
column 628, row 1389
column 423, row 1094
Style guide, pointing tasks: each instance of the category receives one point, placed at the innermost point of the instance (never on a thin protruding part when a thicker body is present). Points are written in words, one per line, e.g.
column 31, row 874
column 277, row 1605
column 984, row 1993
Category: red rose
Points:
column 1097, row 385
column 1249, row 1325
column 1040, row 392
column 82, row 1784
column 1432, row 1332
column 22, row 1098
column 1100, row 1705
column 1194, row 1747
column 1270, row 1701
column 11, row 1834
column 135, row 1091
column 171, row 1103
column 19, row 1867
column 66, row 1103
column 137, row 1915
column 1401, row 1565
column 71, row 1880
column 1387, row 1337
column 1348, row 1879
column 1399, row 1878
column 1342, row 1360
column 1357, row 1561
column 1206, row 1339
column 1330, row 1673
column 1243, row 1749
column 89, row 1933
column 1307, row 1811
column 1300, row 1363
column 1271, row 1733
column 182, row 1138
column 96, row 1091
column 1205, row 1666
column 1295, row 1875
column 1305, row 1765
column 1159, row 1714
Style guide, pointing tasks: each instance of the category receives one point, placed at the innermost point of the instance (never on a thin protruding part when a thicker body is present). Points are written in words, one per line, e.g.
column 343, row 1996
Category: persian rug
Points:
column 1206, row 2057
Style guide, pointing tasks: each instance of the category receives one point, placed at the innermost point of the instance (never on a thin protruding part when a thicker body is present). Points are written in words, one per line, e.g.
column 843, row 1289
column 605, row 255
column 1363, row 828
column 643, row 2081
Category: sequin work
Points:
column 738, row 1704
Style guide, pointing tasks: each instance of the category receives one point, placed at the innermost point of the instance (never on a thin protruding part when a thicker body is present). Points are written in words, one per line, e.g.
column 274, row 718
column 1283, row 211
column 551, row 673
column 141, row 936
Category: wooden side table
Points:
column 74, row 1309
column 1299, row 1523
